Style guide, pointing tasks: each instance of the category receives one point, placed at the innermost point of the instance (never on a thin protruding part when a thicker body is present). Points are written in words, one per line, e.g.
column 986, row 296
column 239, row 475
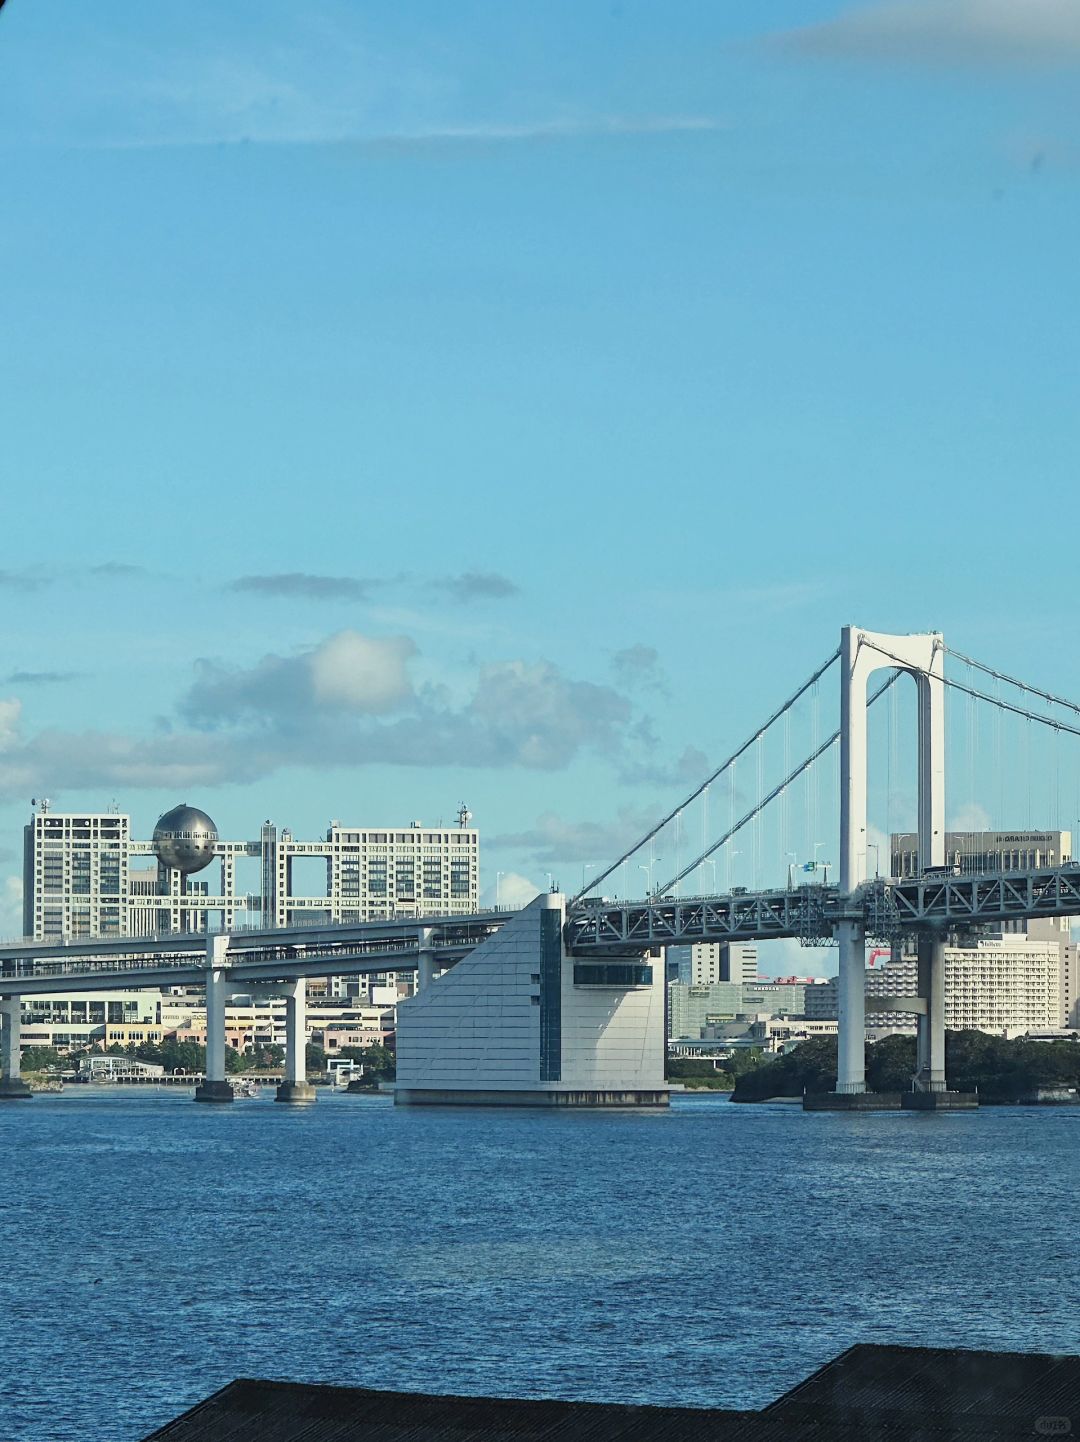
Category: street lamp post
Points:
column 648, row 872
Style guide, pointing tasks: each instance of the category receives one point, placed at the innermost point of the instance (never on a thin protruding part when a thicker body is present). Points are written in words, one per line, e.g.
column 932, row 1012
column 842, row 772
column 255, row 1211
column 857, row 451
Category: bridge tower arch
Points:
column 861, row 654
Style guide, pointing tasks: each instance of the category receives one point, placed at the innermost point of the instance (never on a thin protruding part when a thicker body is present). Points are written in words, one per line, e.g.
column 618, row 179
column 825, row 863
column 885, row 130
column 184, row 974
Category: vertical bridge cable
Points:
column 724, row 766
column 773, row 794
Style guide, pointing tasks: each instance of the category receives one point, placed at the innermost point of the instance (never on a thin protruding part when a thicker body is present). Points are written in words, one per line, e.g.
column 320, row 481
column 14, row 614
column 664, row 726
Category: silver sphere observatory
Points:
column 184, row 839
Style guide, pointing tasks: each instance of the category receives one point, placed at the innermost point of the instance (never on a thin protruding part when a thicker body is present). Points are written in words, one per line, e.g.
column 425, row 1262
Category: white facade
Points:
column 1006, row 986
column 519, row 1022
column 86, row 875
column 691, row 1009
column 82, row 1019
column 705, row 962
column 984, row 850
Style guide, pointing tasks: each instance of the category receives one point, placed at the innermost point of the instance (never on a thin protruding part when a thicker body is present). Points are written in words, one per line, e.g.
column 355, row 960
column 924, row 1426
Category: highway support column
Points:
column 425, row 959
column 851, row 1011
column 215, row 1088
column 296, row 1087
column 12, row 1086
column 929, row 1089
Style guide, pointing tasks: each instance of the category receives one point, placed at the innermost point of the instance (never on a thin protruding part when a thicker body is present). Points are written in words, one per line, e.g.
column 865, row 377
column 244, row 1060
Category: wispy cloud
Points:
column 431, row 137
column 1036, row 33
column 118, row 569
column 28, row 580
column 305, row 586
column 39, row 678
column 477, row 585
column 36, row 578
column 638, row 667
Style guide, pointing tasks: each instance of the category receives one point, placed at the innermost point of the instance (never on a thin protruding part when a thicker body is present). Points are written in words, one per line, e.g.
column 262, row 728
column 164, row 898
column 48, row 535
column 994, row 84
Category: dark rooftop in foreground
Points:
column 896, row 1394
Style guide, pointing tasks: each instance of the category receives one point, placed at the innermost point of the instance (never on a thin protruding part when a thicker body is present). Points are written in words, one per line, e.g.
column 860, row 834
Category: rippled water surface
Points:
column 715, row 1254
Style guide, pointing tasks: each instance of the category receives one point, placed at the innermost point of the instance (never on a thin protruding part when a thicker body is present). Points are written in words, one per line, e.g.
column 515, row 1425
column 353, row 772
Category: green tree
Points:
column 314, row 1058
column 267, row 1056
column 811, row 1066
column 41, row 1058
column 890, row 1064
column 378, row 1061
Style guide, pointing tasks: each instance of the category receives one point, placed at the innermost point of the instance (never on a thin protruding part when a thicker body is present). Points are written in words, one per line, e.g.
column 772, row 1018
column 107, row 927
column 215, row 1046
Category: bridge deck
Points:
column 806, row 913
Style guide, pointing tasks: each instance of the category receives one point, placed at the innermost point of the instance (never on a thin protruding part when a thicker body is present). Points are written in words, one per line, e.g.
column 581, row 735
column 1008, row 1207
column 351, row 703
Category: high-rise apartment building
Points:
column 705, row 962
column 1005, row 985
column 1010, row 851
column 86, row 875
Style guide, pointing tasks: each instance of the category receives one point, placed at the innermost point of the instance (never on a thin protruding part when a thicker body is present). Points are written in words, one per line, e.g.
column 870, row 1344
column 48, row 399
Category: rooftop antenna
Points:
column 464, row 816
column 44, row 803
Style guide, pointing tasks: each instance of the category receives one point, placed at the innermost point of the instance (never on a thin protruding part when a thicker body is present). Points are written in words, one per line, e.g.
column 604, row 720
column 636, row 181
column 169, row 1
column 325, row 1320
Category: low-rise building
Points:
column 692, row 1008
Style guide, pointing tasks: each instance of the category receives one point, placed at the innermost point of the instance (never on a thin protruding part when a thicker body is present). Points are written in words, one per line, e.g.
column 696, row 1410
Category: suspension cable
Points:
column 724, row 766
column 1013, row 681
column 1049, row 721
column 773, row 794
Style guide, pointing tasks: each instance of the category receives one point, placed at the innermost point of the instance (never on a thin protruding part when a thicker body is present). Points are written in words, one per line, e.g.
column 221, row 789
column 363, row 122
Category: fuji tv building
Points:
column 86, row 875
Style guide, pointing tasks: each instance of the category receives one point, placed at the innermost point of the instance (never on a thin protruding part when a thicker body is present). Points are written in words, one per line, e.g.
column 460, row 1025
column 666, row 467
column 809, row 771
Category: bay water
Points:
column 708, row 1255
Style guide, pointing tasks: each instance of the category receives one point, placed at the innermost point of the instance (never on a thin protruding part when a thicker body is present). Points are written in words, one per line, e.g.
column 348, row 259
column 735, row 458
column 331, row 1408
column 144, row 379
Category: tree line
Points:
column 190, row 1056
column 998, row 1069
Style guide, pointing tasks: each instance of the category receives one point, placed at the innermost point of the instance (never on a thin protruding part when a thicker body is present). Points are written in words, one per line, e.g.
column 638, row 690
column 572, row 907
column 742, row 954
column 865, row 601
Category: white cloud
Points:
column 362, row 673
column 10, row 717
column 348, row 701
column 11, row 897
column 970, row 817
column 951, row 32
column 513, row 890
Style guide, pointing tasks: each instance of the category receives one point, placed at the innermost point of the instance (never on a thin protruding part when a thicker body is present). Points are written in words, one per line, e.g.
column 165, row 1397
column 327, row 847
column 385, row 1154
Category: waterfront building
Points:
column 1006, row 985
column 518, row 1022
column 86, row 875
column 79, row 1020
column 132, row 1018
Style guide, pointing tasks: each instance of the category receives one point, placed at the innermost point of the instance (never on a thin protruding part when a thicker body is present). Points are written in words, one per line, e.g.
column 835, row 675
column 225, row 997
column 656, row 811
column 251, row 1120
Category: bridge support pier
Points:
column 851, row 1010
column 930, row 1072
column 425, row 961
column 930, row 1089
column 216, row 1087
column 12, row 1086
column 296, row 1087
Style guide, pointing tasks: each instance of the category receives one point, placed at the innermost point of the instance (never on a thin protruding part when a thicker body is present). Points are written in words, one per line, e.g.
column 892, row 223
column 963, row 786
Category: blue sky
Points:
column 410, row 403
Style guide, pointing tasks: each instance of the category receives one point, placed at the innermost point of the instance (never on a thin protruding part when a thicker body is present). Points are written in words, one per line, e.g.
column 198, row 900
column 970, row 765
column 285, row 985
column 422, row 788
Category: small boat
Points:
column 243, row 1089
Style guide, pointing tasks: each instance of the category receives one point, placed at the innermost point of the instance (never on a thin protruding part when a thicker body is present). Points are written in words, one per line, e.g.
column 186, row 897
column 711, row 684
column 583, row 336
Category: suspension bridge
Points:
column 560, row 1002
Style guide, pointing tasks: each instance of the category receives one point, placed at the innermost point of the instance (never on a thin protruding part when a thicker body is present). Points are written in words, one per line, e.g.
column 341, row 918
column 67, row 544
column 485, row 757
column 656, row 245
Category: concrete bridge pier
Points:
column 216, row 1087
column 851, row 1011
column 930, row 1089
column 425, row 961
column 296, row 1087
column 930, row 1064
column 12, row 1086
